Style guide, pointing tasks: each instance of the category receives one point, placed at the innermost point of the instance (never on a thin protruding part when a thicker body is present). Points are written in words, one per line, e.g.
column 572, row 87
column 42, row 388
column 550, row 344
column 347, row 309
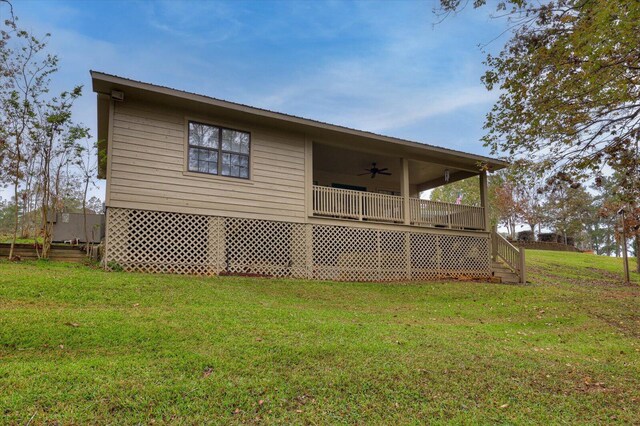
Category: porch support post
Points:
column 308, row 175
column 522, row 266
column 484, row 199
column 404, row 190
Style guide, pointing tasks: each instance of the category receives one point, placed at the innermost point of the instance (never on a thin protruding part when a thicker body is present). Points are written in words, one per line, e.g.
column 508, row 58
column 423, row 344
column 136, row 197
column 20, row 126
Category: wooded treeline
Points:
column 520, row 200
column 569, row 102
column 47, row 160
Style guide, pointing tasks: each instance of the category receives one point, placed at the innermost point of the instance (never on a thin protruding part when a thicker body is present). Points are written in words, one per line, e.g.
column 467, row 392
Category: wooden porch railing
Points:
column 350, row 204
column 512, row 256
column 435, row 213
column 360, row 205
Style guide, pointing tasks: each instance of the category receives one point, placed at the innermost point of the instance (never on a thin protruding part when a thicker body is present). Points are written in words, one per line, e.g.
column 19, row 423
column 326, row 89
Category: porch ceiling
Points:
column 341, row 161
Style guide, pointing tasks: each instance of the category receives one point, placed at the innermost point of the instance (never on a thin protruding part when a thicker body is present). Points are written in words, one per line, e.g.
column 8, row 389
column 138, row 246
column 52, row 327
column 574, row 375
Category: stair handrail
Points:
column 511, row 255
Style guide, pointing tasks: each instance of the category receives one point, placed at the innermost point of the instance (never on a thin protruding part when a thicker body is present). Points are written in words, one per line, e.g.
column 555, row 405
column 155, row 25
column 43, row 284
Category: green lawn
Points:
column 79, row 345
column 8, row 239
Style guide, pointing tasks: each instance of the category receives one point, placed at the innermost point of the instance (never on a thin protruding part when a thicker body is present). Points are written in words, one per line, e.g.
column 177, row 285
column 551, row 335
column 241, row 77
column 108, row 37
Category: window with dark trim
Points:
column 216, row 150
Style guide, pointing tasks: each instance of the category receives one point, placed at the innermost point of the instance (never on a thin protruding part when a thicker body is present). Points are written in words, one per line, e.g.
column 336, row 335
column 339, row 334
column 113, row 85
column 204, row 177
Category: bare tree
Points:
column 57, row 137
column 27, row 69
column 87, row 162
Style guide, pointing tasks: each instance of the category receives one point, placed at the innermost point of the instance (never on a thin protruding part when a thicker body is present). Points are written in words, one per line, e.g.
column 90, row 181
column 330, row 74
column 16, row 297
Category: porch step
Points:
column 502, row 271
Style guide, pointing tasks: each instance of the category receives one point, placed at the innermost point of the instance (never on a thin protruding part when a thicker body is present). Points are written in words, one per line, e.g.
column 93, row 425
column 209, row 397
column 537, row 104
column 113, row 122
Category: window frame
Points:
column 218, row 150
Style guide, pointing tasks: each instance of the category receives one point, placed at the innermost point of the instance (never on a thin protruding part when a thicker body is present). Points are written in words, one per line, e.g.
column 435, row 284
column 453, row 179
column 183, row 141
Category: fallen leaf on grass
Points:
column 135, row 305
column 72, row 324
column 207, row 372
column 504, row 405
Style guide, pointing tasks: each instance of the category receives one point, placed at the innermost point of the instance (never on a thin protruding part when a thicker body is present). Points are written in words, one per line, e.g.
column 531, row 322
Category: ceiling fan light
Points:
column 446, row 175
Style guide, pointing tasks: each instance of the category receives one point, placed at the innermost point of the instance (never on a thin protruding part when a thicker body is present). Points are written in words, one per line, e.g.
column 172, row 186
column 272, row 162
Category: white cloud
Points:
column 194, row 23
column 362, row 94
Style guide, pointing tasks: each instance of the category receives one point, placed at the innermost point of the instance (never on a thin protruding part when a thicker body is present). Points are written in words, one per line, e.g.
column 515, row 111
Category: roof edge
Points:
column 115, row 79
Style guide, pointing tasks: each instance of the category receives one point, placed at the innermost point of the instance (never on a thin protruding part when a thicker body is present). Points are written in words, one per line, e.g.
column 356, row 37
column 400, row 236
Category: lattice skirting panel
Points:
column 152, row 241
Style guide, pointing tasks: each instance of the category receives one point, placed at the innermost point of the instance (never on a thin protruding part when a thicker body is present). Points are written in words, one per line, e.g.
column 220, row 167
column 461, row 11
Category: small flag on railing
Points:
column 459, row 199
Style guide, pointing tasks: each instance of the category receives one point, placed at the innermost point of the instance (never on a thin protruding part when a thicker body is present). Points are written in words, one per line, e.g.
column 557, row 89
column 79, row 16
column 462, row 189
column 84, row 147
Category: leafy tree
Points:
column 25, row 80
column 94, row 205
column 57, row 138
column 569, row 77
column 607, row 202
column 500, row 195
column 38, row 137
column 6, row 216
column 528, row 194
column 467, row 190
column 86, row 160
column 612, row 200
column 5, row 75
column 568, row 209
column 504, row 203
column 570, row 83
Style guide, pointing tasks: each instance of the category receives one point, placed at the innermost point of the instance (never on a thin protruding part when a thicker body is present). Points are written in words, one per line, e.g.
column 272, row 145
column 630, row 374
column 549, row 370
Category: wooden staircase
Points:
column 507, row 261
column 502, row 271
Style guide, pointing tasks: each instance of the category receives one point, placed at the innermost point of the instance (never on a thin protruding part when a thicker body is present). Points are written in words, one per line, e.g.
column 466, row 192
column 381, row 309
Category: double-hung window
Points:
column 216, row 150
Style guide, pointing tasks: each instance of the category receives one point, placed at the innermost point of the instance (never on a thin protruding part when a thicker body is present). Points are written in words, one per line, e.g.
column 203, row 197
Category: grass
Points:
column 8, row 239
column 79, row 345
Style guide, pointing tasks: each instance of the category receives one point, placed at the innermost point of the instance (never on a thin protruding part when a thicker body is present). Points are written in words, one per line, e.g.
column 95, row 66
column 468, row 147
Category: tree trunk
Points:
column 46, row 197
column 637, row 253
column 84, row 216
column 15, row 214
column 23, row 224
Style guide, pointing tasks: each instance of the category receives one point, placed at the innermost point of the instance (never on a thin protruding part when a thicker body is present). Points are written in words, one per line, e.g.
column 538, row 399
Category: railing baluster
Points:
column 360, row 205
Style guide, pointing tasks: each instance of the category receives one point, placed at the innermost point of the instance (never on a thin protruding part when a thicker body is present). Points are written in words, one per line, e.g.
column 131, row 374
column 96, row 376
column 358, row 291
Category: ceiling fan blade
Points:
column 362, row 174
column 384, row 173
column 383, row 170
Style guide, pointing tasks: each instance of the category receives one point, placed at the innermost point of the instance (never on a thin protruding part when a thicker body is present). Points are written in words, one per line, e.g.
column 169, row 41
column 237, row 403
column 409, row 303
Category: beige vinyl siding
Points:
column 148, row 168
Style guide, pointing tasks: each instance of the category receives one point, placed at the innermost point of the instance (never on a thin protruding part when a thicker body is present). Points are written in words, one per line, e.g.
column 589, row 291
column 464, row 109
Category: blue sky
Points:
column 372, row 65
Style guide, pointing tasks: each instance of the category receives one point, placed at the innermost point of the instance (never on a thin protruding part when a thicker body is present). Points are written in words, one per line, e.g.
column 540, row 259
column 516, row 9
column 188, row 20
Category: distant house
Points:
column 205, row 186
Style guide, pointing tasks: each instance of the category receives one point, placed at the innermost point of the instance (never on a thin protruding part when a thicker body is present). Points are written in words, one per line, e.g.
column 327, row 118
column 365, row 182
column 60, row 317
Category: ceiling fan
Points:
column 375, row 171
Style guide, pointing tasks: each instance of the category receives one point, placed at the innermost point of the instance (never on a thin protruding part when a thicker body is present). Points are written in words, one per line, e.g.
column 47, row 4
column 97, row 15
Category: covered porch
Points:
column 373, row 186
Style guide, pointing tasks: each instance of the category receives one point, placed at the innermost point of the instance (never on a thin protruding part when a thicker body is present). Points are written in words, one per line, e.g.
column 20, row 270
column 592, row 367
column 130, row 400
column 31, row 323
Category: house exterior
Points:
column 204, row 186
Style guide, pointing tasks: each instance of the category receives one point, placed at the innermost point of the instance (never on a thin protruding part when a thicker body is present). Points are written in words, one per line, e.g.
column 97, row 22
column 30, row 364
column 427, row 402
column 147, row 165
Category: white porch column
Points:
column 404, row 190
column 484, row 200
